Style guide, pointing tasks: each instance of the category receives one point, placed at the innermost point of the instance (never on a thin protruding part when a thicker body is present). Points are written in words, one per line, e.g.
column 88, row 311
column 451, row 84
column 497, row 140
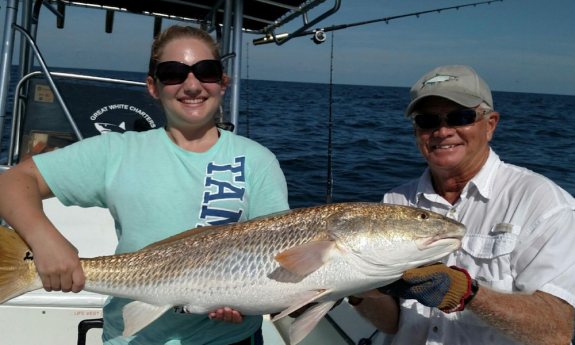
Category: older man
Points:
column 520, row 241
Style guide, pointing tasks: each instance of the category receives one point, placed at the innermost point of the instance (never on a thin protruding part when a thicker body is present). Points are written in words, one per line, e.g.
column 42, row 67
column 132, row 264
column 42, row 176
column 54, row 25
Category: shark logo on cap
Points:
column 438, row 79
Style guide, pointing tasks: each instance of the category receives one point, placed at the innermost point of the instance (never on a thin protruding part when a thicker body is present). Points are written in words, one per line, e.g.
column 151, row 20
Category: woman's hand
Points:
column 227, row 315
column 23, row 189
column 58, row 265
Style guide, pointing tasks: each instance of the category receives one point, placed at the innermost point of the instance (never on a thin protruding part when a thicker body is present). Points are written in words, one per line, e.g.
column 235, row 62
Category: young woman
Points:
column 156, row 184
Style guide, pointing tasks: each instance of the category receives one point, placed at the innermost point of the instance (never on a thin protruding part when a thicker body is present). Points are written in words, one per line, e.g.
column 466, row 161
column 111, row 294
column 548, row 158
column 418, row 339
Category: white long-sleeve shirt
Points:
column 520, row 238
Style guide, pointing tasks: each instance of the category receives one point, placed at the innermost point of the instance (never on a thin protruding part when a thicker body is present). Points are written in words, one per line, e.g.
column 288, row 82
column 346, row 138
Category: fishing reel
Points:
column 319, row 37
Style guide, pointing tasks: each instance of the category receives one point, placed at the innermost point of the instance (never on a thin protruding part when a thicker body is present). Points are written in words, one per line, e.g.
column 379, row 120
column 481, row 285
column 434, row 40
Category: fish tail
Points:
column 18, row 273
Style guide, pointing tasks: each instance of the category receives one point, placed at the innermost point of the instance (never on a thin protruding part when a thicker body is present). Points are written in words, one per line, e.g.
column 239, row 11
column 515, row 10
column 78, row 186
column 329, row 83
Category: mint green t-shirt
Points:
column 155, row 189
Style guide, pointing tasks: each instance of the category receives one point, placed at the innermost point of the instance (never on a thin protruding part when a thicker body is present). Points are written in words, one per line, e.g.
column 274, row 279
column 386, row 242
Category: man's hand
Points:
column 433, row 286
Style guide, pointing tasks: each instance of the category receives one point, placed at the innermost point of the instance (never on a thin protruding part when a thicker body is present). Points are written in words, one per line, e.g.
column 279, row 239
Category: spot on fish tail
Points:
column 28, row 257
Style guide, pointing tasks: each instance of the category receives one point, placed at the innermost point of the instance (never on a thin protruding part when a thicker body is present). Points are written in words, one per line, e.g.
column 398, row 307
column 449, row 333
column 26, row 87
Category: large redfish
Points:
column 271, row 264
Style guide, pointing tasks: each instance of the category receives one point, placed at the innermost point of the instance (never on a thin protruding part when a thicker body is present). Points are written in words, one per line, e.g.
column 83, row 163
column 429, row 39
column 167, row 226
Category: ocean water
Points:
column 373, row 148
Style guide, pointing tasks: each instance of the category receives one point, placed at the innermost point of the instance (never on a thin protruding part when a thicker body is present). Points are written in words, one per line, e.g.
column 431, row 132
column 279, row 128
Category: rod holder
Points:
column 269, row 39
column 60, row 20
column 157, row 26
column 109, row 21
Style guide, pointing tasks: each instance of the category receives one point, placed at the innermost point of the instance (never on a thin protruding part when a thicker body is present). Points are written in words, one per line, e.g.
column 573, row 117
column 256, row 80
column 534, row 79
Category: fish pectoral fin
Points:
column 298, row 305
column 138, row 315
column 308, row 257
column 306, row 323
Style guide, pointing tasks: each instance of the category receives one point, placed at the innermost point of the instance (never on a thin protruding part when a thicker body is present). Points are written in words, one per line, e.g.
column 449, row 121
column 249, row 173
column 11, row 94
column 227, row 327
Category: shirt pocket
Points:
column 487, row 257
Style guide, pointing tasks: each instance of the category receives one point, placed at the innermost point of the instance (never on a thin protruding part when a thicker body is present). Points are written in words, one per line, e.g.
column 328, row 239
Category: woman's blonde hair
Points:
column 179, row 32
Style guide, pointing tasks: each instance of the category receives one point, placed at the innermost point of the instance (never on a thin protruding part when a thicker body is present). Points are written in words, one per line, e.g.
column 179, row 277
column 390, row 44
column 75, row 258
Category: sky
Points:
column 515, row 45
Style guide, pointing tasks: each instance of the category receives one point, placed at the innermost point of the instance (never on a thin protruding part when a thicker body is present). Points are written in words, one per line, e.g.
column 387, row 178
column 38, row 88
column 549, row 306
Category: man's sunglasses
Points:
column 457, row 118
column 174, row 72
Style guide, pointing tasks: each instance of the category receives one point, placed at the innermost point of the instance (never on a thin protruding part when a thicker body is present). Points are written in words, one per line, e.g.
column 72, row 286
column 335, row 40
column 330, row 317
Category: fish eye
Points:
column 422, row 215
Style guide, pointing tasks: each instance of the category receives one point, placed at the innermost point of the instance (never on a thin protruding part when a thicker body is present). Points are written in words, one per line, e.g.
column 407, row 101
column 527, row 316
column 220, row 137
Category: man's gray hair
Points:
column 486, row 109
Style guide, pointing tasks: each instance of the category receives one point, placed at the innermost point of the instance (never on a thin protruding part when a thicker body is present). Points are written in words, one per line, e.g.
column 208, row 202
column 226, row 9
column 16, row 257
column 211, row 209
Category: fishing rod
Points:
column 247, row 90
column 320, row 36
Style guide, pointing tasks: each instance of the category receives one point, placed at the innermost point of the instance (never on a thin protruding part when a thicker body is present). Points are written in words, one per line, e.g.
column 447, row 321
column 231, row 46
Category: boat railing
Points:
column 44, row 68
column 57, row 94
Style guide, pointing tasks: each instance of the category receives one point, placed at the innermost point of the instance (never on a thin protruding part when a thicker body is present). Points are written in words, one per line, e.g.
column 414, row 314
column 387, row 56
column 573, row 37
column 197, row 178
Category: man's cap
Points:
column 457, row 83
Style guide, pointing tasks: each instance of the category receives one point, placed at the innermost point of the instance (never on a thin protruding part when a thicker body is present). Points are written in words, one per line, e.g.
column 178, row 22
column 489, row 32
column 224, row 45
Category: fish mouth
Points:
column 438, row 240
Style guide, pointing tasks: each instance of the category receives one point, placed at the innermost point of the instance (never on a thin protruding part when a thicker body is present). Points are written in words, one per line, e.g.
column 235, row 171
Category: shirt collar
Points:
column 483, row 181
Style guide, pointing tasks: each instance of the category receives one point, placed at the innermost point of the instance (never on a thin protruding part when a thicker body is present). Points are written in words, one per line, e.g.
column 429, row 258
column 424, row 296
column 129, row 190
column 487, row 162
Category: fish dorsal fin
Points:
column 196, row 231
column 306, row 323
column 185, row 234
column 308, row 257
column 271, row 215
column 138, row 315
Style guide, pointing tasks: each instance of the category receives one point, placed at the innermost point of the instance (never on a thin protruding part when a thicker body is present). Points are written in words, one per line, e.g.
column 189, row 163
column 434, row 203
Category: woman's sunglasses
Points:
column 457, row 118
column 174, row 72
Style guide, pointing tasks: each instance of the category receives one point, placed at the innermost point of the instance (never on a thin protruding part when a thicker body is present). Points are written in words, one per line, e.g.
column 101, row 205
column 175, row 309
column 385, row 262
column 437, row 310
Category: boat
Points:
column 51, row 110
column 43, row 119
